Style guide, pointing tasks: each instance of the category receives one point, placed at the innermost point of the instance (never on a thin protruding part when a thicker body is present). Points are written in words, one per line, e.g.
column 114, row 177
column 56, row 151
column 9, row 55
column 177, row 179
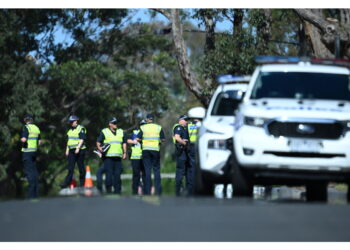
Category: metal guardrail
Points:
column 129, row 176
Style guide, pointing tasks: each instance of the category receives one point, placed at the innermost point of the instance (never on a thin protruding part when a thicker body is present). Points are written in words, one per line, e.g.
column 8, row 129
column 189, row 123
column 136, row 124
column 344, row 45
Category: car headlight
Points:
column 254, row 121
column 346, row 125
column 217, row 144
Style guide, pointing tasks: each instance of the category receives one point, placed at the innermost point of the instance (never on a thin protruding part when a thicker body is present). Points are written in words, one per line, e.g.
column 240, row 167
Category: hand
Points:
column 124, row 156
column 77, row 150
column 67, row 152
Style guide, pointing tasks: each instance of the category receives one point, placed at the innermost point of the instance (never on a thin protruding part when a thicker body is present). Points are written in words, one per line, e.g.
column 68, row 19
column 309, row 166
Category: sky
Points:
column 141, row 15
column 174, row 4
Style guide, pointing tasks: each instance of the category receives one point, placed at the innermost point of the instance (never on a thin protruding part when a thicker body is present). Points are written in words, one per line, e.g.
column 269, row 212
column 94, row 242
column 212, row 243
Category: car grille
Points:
column 305, row 129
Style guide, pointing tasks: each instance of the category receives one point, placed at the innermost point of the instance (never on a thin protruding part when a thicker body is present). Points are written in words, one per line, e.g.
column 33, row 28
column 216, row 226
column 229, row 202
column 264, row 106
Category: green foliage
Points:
column 107, row 71
column 110, row 67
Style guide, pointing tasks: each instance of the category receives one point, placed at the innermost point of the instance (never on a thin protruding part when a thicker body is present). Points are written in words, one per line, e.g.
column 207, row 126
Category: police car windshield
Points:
column 224, row 104
column 302, row 85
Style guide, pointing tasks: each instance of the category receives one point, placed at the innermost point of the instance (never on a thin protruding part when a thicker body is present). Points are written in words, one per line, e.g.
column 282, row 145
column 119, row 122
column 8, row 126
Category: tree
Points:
column 328, row 31
column 108, row 70
column 254, row 32
column 186, row 72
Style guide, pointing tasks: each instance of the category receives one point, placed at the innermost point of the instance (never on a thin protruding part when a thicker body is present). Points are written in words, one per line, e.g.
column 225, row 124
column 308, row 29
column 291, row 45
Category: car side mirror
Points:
column 197, row 112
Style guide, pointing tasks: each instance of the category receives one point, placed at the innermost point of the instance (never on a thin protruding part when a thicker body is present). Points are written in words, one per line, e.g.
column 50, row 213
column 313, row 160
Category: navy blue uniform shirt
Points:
column 133, row 136
column 182, row 131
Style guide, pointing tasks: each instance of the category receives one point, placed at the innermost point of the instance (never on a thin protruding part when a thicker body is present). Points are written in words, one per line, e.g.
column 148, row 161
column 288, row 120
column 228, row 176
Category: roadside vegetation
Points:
column 112, row 65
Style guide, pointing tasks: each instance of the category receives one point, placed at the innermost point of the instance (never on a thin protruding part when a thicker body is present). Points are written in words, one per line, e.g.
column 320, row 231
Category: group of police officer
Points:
column 112, row 148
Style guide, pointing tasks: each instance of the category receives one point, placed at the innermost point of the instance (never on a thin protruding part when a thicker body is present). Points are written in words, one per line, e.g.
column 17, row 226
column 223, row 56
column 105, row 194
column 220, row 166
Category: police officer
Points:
column 151, row 135
column 101, row 170
column 184, row 166
column 136, row 160
column 99, row 177
column 113, row 156
column 193, row 127
column 75, row 150
column 30, row 140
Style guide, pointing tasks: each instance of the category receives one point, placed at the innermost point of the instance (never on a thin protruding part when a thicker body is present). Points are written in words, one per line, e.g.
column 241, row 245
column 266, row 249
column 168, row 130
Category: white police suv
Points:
column 292, row 126
column 214, row 145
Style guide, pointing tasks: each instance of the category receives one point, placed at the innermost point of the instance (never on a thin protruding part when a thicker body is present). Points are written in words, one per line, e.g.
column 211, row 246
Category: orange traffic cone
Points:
column 73, row 183
column 88, row 179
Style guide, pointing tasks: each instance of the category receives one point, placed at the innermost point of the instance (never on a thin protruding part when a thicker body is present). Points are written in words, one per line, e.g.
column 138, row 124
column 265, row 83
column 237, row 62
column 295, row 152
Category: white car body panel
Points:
column 262, row 143
column 216, row 127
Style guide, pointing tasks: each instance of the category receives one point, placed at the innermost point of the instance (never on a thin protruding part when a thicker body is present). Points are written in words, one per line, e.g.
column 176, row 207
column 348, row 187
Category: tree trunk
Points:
column 264, row 31
column 325, row 32
column 303, row 41
column 238, row 22
column 209, row 42
column 209, row 33
column 187, row 75
column 318, row 48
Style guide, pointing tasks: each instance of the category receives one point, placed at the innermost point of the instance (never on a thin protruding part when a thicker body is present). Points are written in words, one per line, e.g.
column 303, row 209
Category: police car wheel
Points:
column 203, row 187
column 242, row 182
column 207, row 189
column 316, row 191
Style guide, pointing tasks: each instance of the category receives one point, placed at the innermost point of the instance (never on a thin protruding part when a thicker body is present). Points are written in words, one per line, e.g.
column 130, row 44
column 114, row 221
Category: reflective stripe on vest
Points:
column 73, row 137
column 136, row 150
column 193, row 132
column 150, row 136
column 32, row 140
column 115, row 150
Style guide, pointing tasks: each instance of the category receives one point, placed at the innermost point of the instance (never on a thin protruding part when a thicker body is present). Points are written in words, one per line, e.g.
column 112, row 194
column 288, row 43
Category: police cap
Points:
column 150, row 117
column 113, row 120
column 183, row 117
column 27, row 117
column 73, row 118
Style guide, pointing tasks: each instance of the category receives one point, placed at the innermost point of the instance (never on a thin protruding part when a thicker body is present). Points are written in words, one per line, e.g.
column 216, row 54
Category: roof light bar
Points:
column 277, row 59
column 331, row 62
column 294, row 59
column 222, row 79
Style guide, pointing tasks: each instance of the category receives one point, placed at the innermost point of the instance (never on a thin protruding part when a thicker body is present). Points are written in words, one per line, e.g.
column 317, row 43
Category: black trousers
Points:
column 138, row 171
column 99, row 176
column 184, row 168
column 151, row 160
column 74, row 158
column 113, row 166
column 31, row 172
column 191, row 168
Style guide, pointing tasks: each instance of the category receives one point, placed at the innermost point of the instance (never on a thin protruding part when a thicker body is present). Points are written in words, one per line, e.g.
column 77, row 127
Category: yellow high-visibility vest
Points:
column 136, row 150
column 73, row 137
column 174, row 140
column 150, row 136
column 32, row 140
column 116, row 141
column 193, row 132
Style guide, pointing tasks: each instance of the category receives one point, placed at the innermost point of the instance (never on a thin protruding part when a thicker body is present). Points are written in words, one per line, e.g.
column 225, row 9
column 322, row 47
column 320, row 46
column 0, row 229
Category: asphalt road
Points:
column 132, row 219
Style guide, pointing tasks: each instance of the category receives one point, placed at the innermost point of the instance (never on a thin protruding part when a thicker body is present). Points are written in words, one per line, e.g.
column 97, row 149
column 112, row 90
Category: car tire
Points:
column 202, row 187
column 317, row 191
column 242, row 182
